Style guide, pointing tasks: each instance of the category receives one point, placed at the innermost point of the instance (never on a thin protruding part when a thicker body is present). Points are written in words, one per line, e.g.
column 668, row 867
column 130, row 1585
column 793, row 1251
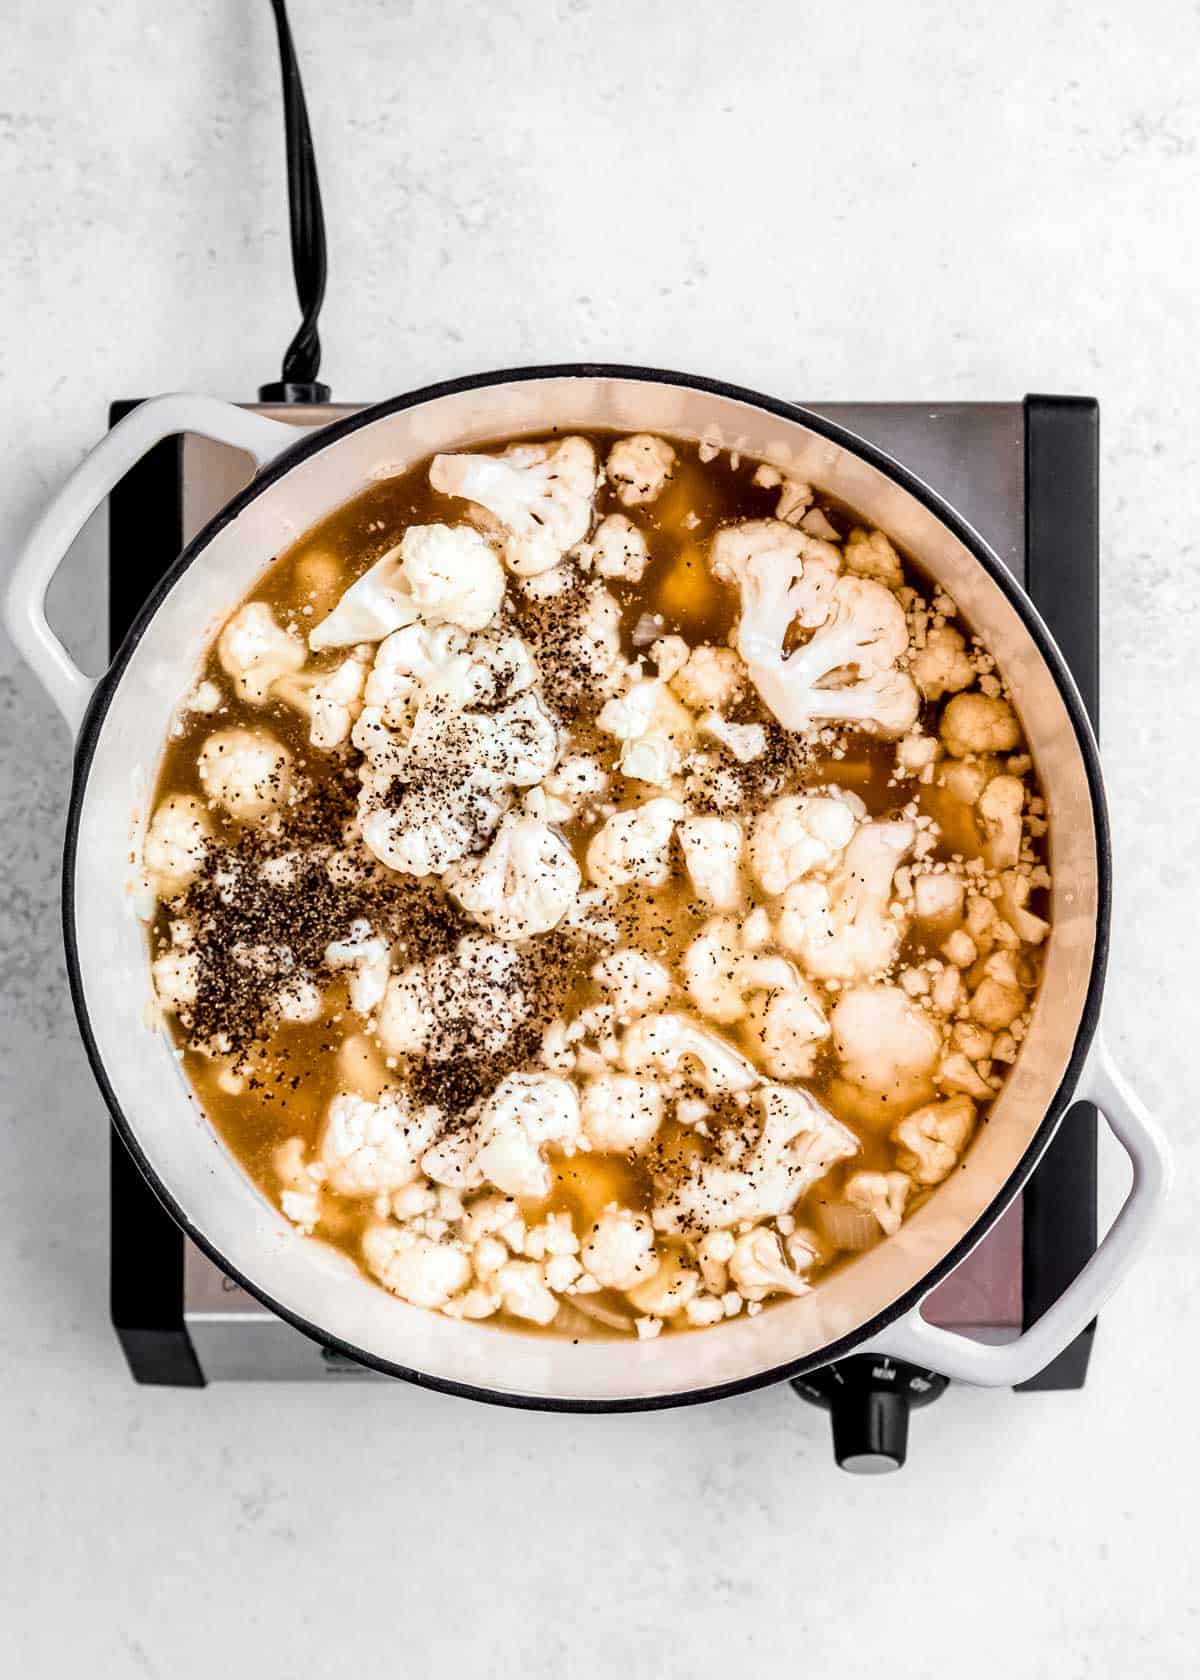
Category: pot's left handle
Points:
column 914, row 1339
column 99, row 472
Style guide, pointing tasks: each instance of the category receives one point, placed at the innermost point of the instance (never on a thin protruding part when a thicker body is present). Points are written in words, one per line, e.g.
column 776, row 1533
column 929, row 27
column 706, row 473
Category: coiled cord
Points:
column 298, row 380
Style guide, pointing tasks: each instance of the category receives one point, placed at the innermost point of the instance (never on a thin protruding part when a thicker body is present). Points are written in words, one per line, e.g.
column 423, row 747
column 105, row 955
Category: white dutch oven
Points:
column 872, row 1304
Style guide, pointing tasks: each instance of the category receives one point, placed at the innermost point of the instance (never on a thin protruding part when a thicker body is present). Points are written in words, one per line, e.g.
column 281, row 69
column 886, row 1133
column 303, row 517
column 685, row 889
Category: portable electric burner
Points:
column 1024, row 474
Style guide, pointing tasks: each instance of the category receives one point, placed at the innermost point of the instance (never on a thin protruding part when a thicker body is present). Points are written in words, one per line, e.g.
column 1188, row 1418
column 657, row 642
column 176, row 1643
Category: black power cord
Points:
column 298, row 382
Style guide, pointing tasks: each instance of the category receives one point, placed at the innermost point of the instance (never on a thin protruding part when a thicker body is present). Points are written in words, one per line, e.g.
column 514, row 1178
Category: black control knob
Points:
column 869, row 1398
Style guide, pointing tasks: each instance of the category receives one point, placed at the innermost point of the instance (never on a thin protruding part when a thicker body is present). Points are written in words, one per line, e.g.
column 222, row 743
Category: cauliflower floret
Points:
column 712, row 970
column 711, row 678
column 255, row 651
column 336, row 702
column 668, row 1291
column 176, row 844
column 1015, row 888
column 880, row 1194
column 425, row 803
column 979, row 723
column 639, row 467
column 843, row 929
column 802, row 833
column 576, row 781
column 938, row 898
column 932, row 1138
column 786, row 1018
column 743, row 741
column 372, row 1147
column 885, row 1042
column 620, row 1113
column 864, row 632
column 368, row 956
column 869, row 554
column 474, row 990
column 798, row 1144
column 522, row 885
column 1000, row 806
column 619, row 1249
column 999, row 997
column 860, row 631
column 418, row 1269
column 540, row 492
column 635, row 845
column 524, row 1113
column 653, row 728
column 300, row 1001
column 246, row 771
column 176, row 979
column 452, row 574
column 712, row 851
column 522, row 1290
column 673, row 1043
column 943, row 665
column 758, row 1268
column 617, row 550
column 635, row 982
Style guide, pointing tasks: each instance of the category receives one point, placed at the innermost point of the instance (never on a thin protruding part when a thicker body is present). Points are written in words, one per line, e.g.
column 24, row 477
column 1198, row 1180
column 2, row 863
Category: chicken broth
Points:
column 599, row 885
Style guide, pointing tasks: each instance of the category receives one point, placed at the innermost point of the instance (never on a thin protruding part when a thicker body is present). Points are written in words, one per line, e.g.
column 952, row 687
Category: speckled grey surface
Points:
column 869, row 201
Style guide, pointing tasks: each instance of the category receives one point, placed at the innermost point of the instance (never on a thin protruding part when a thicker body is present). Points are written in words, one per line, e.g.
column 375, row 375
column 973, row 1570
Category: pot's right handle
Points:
column 97, row 474
column 914, row 1339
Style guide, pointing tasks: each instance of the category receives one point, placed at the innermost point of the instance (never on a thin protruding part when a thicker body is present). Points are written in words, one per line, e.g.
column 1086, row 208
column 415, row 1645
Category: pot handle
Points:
column 96, row 475
column 914, row 1339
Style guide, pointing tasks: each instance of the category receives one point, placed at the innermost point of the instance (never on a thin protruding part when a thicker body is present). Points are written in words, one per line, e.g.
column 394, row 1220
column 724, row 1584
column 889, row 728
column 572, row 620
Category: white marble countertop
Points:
column 869, row 201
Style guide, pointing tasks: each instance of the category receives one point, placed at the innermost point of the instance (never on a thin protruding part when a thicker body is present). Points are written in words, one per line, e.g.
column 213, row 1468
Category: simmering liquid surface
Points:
column 268, row 1082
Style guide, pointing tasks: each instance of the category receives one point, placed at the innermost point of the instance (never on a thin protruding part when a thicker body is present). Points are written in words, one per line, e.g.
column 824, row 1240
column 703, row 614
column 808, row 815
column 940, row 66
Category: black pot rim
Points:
column 312, row 443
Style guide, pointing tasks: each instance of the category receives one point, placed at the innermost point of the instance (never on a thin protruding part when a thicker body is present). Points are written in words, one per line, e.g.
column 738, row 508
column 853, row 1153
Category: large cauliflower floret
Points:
column 882, row 1195
column 932, row 1138
column 635, row 983
column 635, row 845
column 246, row 771
column 676, row 1045
column 428, row 801
column 710, row 679
column 176, row 844
column 653, row 728
column 885, row 1042
column 419, row 1269
column 802, row 833
column 620, row 1113
column 870, row 554
column 619, row 1250
column 758, row 1268
column 541, row 493
column 979, row 724
column 783, row 1017
column 617, row 550
column 442, row 574
column 712, row 851
column 798, row 1142
column 943, row 665
column 639, row 468
column 522, row 885
column 846, row 671
column 366, row 955
column 255, row 651
column 370, row 1147
column 506, row 1144
column 845, row 928
column 422, row 660
column 470, row 999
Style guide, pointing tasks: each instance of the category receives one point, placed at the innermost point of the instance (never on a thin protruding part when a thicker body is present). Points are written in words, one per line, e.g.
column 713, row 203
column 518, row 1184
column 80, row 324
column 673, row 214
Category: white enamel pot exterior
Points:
column 871, row 1304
